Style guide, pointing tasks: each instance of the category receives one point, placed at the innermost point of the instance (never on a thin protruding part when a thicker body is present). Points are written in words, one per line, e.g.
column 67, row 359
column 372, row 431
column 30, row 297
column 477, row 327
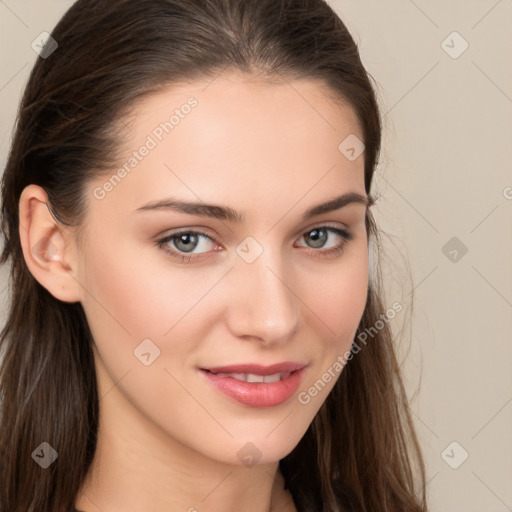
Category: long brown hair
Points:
column 360, row 452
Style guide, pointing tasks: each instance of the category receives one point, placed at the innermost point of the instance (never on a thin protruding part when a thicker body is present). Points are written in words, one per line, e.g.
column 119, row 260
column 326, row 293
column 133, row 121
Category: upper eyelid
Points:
column 206, row 232
column 199, row 231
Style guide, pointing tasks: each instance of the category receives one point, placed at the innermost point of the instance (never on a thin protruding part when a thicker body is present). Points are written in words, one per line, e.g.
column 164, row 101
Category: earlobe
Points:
column 47, row 246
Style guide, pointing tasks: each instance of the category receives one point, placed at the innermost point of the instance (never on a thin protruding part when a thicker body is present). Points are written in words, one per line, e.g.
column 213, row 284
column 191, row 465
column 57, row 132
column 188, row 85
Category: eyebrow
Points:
column 226, row 213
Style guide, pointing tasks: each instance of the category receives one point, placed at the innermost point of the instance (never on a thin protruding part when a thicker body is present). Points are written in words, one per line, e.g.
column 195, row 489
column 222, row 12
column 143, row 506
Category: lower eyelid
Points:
column 344, row 234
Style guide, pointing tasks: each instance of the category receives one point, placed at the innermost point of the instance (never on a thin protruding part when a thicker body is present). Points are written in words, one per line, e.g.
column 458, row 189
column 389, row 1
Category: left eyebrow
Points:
column 229, row 214
column 337, row 203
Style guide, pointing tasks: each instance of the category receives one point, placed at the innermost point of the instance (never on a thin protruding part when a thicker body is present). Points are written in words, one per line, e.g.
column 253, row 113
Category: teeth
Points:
column 250, row 377
column 237, row 376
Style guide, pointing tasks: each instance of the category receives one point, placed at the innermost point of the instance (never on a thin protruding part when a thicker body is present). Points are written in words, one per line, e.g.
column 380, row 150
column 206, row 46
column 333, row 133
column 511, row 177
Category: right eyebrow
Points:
column 229, row 214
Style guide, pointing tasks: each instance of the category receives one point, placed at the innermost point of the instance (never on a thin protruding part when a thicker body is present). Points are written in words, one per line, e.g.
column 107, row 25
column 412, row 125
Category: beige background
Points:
column 445, row 172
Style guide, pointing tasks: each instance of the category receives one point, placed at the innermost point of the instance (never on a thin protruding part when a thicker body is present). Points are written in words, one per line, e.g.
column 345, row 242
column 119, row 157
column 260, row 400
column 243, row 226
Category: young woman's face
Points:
column 169, row 293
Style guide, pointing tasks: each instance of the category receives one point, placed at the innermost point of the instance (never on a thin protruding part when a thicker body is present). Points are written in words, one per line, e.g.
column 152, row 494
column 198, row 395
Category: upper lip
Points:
column 256, row 369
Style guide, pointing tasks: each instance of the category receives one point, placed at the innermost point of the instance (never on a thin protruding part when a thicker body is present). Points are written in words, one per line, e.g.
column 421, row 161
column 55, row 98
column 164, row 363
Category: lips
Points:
column 256, row 369
column 256, row 385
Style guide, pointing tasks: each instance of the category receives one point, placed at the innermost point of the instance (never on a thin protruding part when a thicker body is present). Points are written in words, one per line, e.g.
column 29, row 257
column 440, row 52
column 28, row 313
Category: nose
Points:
column 262, row 304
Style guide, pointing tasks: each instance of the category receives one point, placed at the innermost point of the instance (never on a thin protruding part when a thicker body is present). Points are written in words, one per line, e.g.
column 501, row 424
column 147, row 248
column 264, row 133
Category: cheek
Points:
column 138, row 315
column 129, row 300
column 340, row 297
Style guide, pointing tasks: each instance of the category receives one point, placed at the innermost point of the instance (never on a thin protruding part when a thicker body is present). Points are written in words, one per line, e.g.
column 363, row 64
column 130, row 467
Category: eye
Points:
column 187, row 242
column 317, row 237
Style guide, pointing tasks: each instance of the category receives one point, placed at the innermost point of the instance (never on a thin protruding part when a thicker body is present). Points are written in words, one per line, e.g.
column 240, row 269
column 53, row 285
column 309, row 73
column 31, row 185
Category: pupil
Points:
column 317, row 238
column 188, row 240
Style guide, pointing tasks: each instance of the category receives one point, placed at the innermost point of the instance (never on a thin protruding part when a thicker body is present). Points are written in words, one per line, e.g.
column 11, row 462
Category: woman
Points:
column 195, row 323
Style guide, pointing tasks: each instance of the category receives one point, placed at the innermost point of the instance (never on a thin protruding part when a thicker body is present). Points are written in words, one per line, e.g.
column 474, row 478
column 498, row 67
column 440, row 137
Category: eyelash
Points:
column 333, row 252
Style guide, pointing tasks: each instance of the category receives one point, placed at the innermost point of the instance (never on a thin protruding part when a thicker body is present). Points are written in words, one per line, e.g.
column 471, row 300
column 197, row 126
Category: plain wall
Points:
column 445, row 187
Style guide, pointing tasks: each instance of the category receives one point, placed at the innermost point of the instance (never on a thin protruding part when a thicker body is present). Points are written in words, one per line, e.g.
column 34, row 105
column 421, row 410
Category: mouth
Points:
column 257, row 386
column 253, row 377
column 256, row 369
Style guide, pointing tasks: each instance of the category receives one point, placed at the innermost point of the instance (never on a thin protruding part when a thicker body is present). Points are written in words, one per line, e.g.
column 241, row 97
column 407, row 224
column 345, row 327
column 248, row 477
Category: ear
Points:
column 48, row 246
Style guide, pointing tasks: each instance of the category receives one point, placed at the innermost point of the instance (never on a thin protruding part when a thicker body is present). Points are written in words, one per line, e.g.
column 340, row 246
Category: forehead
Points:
column 238, row 137
column 235, row 98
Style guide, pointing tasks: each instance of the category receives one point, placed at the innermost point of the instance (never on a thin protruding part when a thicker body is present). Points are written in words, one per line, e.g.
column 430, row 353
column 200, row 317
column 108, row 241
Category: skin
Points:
column 168, row 440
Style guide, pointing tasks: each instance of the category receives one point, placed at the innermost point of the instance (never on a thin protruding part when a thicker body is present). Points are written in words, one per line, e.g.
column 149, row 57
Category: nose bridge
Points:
column 262, row 304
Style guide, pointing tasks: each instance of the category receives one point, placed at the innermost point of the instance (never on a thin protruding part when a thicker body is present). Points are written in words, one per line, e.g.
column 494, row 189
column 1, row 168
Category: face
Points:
column 171, row 292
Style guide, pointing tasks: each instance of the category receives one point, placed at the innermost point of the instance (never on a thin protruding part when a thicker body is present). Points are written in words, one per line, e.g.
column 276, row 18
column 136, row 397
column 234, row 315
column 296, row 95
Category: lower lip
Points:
column 257, row 394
